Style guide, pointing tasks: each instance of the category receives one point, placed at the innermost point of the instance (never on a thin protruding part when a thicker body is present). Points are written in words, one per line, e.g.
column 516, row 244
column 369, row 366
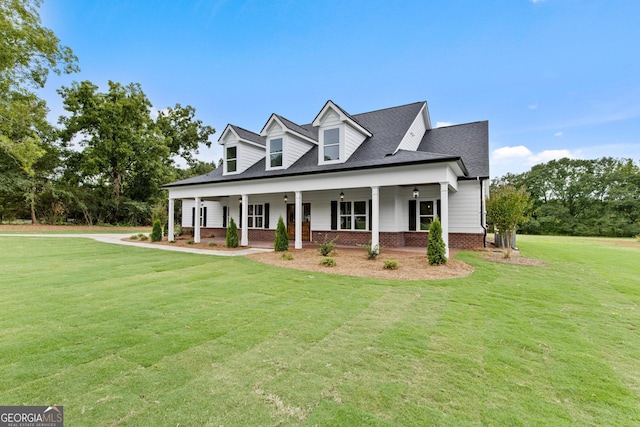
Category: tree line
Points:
column 574, row 197
column 107, row 157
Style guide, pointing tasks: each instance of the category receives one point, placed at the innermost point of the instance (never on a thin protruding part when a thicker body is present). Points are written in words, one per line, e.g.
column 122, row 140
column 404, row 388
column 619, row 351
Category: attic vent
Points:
column 412, row 134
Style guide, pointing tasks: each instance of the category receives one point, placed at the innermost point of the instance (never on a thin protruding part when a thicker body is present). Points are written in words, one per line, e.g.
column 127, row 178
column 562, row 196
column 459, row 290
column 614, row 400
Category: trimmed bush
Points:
column 134, row 237
column 328, row 262
column 287, row 256
column 281, row 243
column 232, row 234
column 156, row 232
column 436, row 247
column 213, row 244
column 143, row 237
column 390, row 264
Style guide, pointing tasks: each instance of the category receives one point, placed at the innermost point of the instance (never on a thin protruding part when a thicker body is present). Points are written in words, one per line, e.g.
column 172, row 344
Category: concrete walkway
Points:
column 117, row 240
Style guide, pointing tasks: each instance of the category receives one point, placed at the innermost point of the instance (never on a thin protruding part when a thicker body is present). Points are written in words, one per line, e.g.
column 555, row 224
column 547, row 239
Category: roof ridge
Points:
column 391, row 108
column 246, row 130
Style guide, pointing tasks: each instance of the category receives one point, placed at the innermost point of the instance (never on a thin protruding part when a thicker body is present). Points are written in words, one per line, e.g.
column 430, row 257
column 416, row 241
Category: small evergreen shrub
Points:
column 232, row 234
column 328, row 262
column 143, row 237
column 327, row 246
column 213, row 244
column 390, row 264
column 156, row 232
column 134, row 237
column 172, row 241
column 436, row 247
column 372, row 252
column 281, row 243
column 190, row 242
column 287, row 256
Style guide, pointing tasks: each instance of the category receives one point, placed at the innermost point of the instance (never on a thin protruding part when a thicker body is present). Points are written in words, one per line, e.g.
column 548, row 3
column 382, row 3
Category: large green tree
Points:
column 29, row 52
column 594, row 197
column 118, row 150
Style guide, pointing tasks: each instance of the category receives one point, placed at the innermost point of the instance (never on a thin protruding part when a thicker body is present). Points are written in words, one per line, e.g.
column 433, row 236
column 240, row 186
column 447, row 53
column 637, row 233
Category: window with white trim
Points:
column 331, row 145
column 232, row 158
column 426, row 213
column 353, row 216
column 256, row 216
column 275, row 152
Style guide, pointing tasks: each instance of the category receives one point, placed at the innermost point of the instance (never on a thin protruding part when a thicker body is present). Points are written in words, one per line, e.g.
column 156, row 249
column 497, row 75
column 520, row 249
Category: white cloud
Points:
column 443, row 124
column 558, row 134
column 520, row 159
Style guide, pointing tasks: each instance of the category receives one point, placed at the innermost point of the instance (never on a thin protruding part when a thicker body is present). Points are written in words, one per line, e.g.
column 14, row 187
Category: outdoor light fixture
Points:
column 285, row 198
column 240, row 199
column 342, row 195
column 416, row 193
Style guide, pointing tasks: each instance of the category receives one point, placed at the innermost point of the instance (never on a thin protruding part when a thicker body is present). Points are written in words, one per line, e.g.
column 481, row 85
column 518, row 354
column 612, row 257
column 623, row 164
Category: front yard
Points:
column 133, row 336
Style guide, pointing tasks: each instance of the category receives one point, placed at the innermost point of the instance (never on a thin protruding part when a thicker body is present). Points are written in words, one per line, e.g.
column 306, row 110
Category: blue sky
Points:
column 554, row 78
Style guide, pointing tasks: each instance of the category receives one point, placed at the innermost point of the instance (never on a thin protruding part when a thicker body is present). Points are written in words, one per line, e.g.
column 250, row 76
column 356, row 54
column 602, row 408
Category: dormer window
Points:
column 275, row 153
column 331, row 144
column 232, row 159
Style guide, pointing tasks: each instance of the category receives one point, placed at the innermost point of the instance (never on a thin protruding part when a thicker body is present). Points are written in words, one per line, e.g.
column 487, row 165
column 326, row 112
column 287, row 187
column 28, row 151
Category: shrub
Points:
column 177, row 230
column 327, row 246
column 172, row 241
column 156, row 232
column 281, row 243
column 436, row 247
column 328, row 262
column 390, row 264
column 213, row 244
column 134, row 237
column 372, row 252
column 190, row 242
column 232, row 234
column 287, row 256
column 143, row 237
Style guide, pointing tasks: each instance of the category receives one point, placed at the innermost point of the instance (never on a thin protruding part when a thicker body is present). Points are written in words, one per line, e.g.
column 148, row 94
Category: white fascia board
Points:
column 330, row 105
column 226, row 130
column 409, row 175
column 274, row 117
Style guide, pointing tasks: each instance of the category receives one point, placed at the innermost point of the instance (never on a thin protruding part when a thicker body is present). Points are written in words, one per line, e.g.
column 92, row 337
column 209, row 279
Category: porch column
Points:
column 196, row 221
column 444, row 214
column 298, row 241
column 244, row 214
column 170, row 220
column 375, row 217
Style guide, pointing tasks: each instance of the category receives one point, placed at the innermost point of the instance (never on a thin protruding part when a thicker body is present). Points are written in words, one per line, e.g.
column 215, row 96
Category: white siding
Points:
column 414, row 135
column 294, row 149
column 214, row 213
column 248, row 155
column 352, row 140
column 464, row 208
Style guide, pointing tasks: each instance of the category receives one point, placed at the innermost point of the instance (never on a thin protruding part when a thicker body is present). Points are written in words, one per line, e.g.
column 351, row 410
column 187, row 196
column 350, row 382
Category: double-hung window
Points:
column 426, row 213
column 353, row 215
column 232, row 158
column 275, row 152
column 256, row 216
column 331, row 144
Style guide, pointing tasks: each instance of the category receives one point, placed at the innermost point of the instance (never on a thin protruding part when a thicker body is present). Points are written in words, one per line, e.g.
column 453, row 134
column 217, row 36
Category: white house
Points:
column 378, row 177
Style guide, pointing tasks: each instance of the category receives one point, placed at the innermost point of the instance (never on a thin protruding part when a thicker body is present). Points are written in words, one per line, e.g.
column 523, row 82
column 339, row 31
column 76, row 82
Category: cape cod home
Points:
column 378, row 177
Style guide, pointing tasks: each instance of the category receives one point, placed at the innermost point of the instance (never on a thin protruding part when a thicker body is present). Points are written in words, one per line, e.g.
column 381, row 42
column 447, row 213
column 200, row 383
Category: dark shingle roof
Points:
column 467, row 144
column 248, row 135
column 305, row 131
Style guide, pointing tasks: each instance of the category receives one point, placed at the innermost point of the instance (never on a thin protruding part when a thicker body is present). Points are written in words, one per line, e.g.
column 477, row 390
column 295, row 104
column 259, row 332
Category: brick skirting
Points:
column 353, row 238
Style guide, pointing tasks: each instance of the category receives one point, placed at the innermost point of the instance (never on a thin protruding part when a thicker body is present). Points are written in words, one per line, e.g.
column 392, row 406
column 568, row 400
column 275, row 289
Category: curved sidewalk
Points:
column 117, row 240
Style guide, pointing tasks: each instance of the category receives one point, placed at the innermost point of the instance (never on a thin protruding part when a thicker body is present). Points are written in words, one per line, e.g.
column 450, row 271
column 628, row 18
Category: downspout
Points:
column 482, row 224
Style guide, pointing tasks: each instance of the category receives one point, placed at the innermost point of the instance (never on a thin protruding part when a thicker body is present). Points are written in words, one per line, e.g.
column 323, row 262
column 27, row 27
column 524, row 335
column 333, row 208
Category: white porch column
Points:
column 244, row 214
column 444, row 214
column 196, row 221
column 375, row 217
column 298, row 241
column 170, row 220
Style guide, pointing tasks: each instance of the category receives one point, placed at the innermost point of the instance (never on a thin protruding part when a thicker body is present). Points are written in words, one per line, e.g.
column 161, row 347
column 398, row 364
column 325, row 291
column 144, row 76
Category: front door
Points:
column 306, row 221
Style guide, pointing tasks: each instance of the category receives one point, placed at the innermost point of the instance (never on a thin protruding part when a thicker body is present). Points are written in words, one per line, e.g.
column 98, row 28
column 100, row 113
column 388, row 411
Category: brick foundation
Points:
column 353, row 238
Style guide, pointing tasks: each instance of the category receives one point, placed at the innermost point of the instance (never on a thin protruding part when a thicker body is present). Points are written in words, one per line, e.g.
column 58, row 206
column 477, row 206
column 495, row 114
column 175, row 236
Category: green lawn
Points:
column 133, row 336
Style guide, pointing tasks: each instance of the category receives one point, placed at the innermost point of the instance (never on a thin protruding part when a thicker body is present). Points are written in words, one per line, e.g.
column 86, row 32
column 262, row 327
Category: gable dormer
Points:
column 339, row 134
column 285, row 142
column 241, row 149
column 411, row 139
